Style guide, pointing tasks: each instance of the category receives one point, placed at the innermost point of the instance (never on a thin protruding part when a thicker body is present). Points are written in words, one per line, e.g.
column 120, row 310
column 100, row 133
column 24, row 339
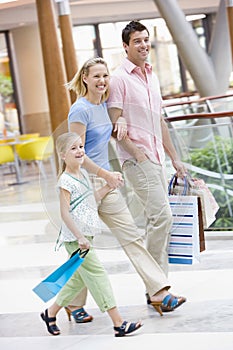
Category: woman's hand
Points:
column 120, row 128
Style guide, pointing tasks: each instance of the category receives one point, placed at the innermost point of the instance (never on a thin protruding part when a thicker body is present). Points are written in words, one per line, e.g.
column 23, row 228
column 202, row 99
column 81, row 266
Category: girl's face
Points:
column 75, row 154
column 97, row 80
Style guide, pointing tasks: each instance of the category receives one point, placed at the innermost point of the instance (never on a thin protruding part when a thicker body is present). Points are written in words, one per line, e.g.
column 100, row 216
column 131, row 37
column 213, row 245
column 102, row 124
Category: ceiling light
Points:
column 195, row 17
column 6, row 1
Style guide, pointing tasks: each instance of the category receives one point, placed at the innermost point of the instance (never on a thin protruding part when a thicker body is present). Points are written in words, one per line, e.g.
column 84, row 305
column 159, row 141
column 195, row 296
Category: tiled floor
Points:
column 29, row 223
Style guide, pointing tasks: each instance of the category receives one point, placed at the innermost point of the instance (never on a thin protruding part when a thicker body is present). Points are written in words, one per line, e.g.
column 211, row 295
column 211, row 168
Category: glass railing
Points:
column 202, row 131
column 203, row 137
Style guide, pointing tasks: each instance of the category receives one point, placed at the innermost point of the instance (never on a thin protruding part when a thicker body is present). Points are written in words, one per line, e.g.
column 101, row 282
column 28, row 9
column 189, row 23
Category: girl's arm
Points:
column 101, row 193
column 66, row 217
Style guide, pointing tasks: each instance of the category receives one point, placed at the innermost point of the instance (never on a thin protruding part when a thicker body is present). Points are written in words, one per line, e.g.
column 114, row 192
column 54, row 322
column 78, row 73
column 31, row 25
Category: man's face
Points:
column 139, row 47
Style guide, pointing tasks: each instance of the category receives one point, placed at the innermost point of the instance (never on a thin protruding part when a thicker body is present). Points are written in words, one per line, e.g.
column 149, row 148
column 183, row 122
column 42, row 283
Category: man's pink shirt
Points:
column 140, row 99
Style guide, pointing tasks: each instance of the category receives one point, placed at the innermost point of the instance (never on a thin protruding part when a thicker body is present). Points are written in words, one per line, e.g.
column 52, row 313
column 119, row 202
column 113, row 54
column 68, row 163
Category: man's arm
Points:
column 171, row 151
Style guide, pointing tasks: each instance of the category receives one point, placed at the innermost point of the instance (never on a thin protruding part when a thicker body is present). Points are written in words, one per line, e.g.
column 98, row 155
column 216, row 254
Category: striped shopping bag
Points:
column 184, row 243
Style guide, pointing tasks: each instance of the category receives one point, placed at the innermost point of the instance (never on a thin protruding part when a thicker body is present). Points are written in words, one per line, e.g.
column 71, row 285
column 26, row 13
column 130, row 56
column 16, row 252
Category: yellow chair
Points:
column 6, row 155
column 25, row 137
column 39, row 150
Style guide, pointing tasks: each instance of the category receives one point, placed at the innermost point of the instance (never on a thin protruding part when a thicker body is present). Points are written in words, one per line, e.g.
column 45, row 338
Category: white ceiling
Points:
column 23, row 12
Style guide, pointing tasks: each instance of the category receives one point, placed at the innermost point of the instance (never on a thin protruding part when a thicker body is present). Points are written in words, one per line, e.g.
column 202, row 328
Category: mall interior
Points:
column 42, row 45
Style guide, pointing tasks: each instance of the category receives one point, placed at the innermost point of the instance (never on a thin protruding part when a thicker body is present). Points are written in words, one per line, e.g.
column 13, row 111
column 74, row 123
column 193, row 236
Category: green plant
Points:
column 217, row 157
column 215, row 154
column 6, row 87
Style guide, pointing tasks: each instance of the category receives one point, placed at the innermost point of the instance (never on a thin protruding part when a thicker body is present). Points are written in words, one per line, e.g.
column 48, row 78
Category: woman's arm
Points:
column 119, row 123
column 126, row 143
column 114, row 179
column 66, row 217
column 120, row 128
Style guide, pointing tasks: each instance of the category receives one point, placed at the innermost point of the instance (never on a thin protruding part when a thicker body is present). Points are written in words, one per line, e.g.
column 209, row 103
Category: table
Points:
column 16, row 160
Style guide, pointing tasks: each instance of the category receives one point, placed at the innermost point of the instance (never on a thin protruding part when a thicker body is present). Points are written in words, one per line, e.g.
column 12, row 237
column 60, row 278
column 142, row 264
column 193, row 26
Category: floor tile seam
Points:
column 27, row 209
column 105, row 333
column 24, row 222
column 47, row 269
column 31, row 205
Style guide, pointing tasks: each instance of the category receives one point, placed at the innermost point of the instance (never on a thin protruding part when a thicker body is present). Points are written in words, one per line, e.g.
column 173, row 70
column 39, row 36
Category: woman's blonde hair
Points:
column 63, row 143
column 78, row 85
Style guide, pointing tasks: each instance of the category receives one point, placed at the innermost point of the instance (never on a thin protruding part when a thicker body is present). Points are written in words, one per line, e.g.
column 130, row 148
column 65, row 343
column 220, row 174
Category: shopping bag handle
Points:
column 81, row 253
column 173, row 182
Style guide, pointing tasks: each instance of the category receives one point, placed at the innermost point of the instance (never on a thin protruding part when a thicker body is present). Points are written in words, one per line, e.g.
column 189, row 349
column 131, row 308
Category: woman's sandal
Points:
column 169, row 303
column 80, row 315
column 126, row 328
column 52, row 328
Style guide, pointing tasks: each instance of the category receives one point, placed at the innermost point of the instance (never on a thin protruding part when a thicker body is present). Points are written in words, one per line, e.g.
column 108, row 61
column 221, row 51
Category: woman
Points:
column 88, row 117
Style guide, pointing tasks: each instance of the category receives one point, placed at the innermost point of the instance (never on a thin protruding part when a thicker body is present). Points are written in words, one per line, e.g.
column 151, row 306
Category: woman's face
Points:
column 97, row 80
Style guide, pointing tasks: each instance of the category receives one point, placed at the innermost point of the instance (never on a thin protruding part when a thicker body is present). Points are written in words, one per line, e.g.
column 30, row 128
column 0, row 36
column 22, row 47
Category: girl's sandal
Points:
column 126, row 328
column 52, row 328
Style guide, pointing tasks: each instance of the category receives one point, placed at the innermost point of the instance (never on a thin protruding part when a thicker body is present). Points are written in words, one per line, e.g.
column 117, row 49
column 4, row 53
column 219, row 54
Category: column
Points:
column 229, row 4
column 67, row 41
column 58, row 95
column 194, row 57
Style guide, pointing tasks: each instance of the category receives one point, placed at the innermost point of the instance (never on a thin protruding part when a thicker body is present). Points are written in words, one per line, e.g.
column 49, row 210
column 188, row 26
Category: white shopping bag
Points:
column 184, row 244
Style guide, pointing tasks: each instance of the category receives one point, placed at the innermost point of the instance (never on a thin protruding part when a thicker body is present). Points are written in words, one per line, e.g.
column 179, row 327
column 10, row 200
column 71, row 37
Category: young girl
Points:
column 80, row 223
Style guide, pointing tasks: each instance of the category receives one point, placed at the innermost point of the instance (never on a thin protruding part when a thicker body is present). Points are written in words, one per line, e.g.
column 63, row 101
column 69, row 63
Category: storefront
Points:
column 28, row 112
column 9, row 121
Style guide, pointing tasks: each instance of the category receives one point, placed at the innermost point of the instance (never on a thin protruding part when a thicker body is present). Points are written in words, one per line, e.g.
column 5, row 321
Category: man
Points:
column 135, row 104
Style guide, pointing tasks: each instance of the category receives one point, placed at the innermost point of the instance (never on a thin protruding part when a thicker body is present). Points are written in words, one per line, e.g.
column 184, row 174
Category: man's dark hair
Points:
column 131, row 27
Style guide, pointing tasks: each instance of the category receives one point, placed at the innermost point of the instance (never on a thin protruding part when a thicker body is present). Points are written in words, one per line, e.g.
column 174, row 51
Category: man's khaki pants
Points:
column 149, row 184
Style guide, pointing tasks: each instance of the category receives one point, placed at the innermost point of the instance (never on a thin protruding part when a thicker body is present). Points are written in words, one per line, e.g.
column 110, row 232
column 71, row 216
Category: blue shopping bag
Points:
column 53, row 283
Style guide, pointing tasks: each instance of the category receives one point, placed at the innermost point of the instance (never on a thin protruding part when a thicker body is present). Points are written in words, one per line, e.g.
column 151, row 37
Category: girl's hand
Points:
column 120, row 128
column 83, row 243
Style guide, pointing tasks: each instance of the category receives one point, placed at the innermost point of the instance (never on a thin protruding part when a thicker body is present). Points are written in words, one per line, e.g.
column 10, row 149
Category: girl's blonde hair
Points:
column 79, row 86
column 63, row 143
